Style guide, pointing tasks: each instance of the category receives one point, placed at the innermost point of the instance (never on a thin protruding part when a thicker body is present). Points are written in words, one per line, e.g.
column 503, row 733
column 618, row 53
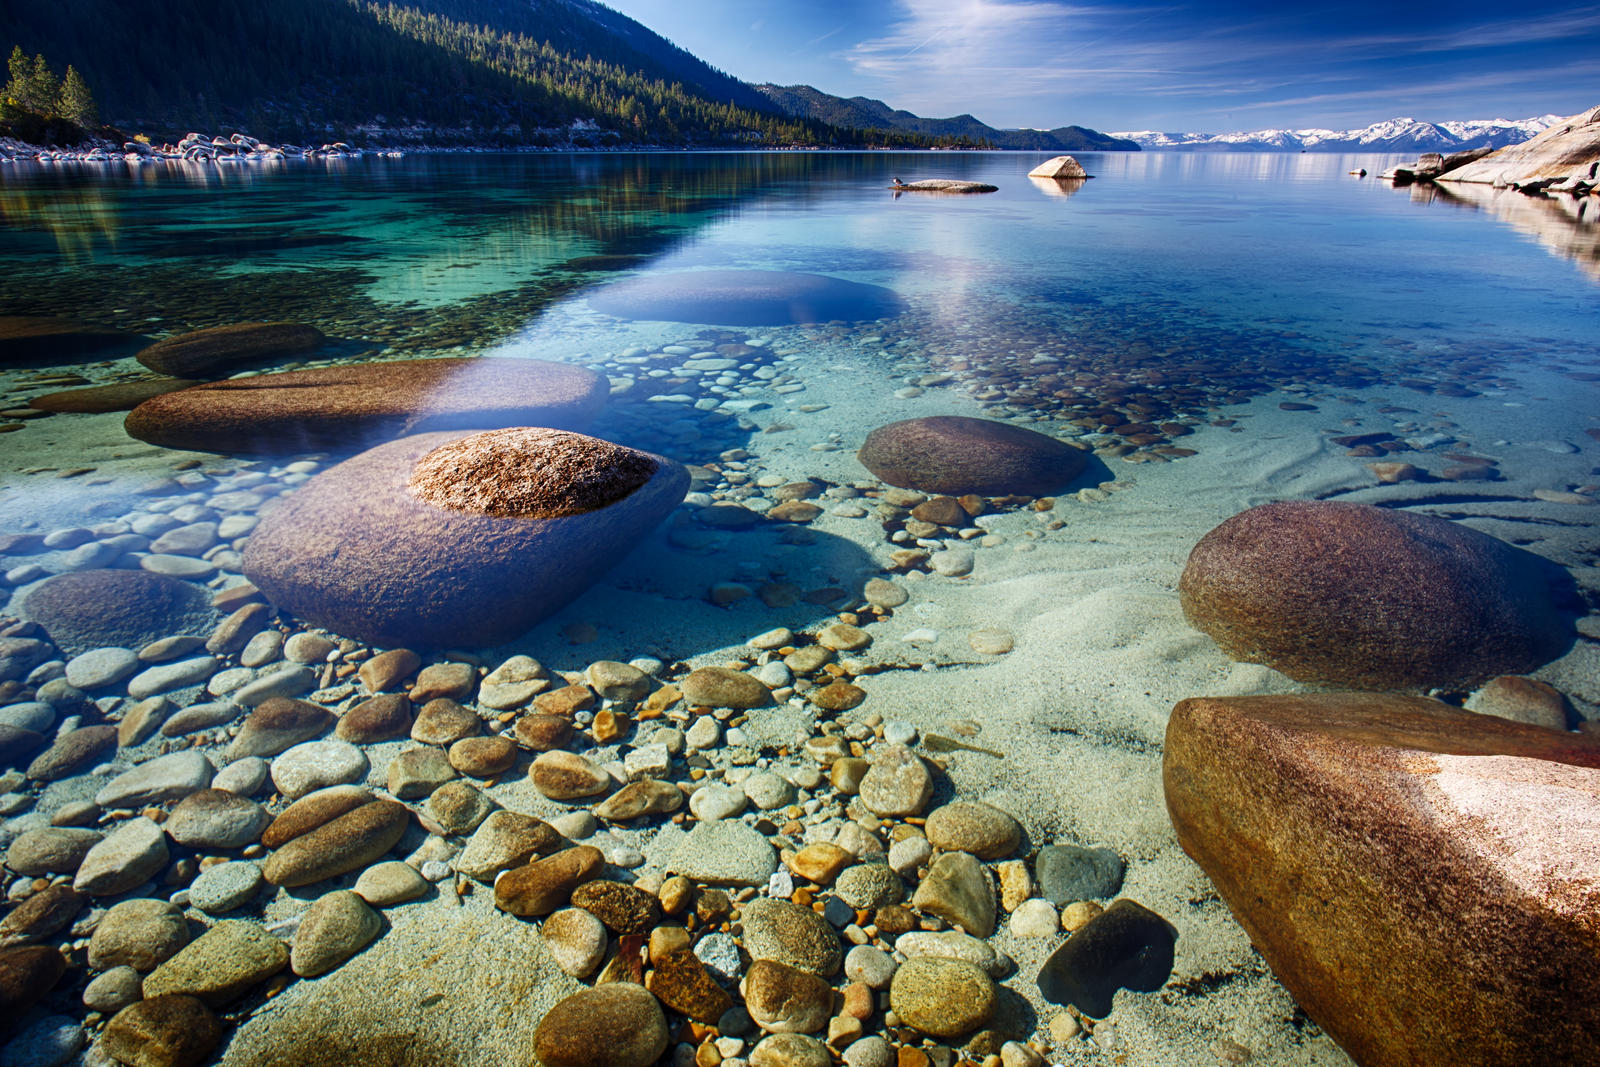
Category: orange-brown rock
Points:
column 345, row 844
column 349, row 407
column 220, row 350
column 119, row 396
column 682, row 983
column 540, row 887
column 1363, row 597
column 1408, row 869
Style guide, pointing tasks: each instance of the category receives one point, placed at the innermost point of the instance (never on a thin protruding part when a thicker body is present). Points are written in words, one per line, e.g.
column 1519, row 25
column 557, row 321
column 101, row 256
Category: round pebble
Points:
column 225, row 887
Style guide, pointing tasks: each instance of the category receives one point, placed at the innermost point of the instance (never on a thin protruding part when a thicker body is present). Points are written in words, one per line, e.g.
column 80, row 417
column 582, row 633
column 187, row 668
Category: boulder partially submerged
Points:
column 1059, row 167
column 446, row 540
column 944, row 185
column 1566, row 156
column 1409, row 870
column 348, row 407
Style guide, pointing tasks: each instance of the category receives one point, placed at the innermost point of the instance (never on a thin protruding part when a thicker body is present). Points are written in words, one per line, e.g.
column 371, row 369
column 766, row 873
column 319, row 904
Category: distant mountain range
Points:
column 860, row 112
column 1395, row 135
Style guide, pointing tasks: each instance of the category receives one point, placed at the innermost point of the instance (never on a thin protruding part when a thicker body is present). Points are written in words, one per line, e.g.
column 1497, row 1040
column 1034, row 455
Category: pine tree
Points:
column 17, row 86
column 40, row 89
column 76, row 102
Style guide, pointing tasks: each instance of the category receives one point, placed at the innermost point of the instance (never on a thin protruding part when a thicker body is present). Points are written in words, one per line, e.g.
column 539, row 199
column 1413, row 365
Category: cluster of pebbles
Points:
column 807, row 890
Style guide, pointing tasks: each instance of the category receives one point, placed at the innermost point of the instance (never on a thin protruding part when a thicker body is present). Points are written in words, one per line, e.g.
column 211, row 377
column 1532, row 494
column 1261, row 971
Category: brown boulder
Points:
column 221, row 350
column 380, row 718
column 42, row 339
column 540, row 887
column 344, row 844
column 955, row 455
column 350, row 407
column 1408, row 869
column 357, row 550
column 166, row 1031
column 618, row 1024
column 1365, row 597
column 116, row 608
column 119, row 396
column 26, row 975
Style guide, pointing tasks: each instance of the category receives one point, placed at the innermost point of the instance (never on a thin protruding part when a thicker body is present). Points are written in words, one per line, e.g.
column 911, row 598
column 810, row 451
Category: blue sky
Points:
column 1169, row 66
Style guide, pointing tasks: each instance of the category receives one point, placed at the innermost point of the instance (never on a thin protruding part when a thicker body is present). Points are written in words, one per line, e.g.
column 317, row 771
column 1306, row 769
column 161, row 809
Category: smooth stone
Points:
column 101, row 667
column 576, row 939
column 386, row 884
column 784, row 999
column 790, row 1050
column 873, row 1051
column 1363, row 597
column 768, row 791
column 27, row 973
column 725, row 852
column 1522, row 700
column 942, row 997
column 563, row 775
column 712, row 802
column 618, row 1024
column 542, row 886
column 284, row 683
column 220, row 350
column 216, row 819
column 720, row 687
column 483, row 757
column 314, row 810
column 505, row 839
column 339, row 408
column 444, row 681
column 163, row 1031
column 795, row 936
column 339, row 846
column 115, row 608
column 869, row 886
column 1127, row 946
column 745, row 298
column 141, row 719
column 225, row 887
column 969, row 826
column 308, row 648
column 138, row 933
column 160, row 781
column 513, row 683
column 1035, row 918
column 869, row 965
column 1446, row 853
column 109, row 993
column 638, row 799
column 50, row 850
column 959, row 890
column 277, row 725
column 221, row 964
column 334, row 928
column 380, row 718
column 618, row 681
column 444, row 722
column 955, row 455
column 197, row 717
column 243, row 777
column 235, row 631
column 458, row 807
column 316, row 765
column 128, row 856
column 682, row 983
column 165, row 677
column 897, row 784
column 956, row 562
column 1068, row 873
column 41, row 915
column 446, row 524
column 387, row 669
column 186, row 567
column 35, row 716
column 73, row 752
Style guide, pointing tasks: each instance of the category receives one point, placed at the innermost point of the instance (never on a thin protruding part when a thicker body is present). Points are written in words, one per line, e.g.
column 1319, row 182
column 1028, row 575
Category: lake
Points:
column 1195, row 331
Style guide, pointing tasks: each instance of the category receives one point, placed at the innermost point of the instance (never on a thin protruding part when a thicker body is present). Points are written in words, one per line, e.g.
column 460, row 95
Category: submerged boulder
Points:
column 119, row 396
column 43, row 339
column 1059, row 167
column 944, row 185
column 745, row 298
column 116, row 608
column 354, row 406
column 447, row 540
column 221, row 350
column 1409, row 870
column 1364, row 597
column 956, row 455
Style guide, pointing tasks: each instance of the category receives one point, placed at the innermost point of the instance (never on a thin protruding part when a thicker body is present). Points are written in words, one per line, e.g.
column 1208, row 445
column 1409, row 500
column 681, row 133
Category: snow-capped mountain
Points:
column 1395, row 135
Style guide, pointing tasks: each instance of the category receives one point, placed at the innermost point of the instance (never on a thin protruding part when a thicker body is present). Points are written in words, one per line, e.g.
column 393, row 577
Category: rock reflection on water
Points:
column 1566, row 225
column 1062, row 187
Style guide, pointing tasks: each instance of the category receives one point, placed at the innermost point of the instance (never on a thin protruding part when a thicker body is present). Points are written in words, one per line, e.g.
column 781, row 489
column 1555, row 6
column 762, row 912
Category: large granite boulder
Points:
column 1362, row 597
column 116, row 608
column 955, row 455
column 355, row 406
column 42, row 339
column 745, row 298
column 1569, row 149
column 1059, row 167
column 447, row 540
column 1424, row 881
column 118, row 396
column 221, row 350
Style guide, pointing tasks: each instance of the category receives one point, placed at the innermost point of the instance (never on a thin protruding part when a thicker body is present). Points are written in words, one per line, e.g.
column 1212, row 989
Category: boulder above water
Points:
column 1567, row 150
column 1059, row 167
column 944, row 185
column 392, row 547
column 956, row 455
column 221, row 350
column 1408, row 869
column 122, row 608
column 348, row 407
column 745, row 298
column 1364, row 597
